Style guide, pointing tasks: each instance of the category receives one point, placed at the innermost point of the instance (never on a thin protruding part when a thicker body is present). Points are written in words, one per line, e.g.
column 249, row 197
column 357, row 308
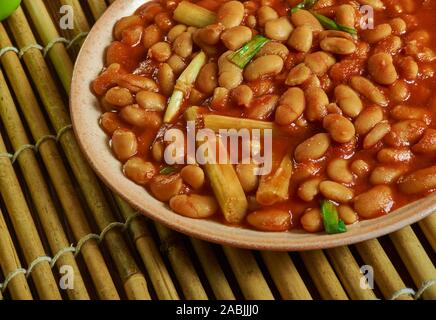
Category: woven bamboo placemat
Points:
column 61, row 228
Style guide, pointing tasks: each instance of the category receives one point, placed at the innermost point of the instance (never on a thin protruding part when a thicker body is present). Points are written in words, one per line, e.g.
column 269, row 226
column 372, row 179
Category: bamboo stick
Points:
column 149, row 253
column 58, row 54
column 214, row 273
column 10, row 262
column 57, row 172
column 285, row 276
column 349, row 273
column 415, row 259
column 182, row 265
column 323, row 275
column 428, row 226
column 86, row 178
column 98, row 7
column 25, row 229
column 39, row 190
column 387, row 278
column 248, row 274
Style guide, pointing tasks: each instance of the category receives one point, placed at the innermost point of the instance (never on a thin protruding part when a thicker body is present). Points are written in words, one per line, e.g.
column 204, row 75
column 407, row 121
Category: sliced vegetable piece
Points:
column 167, row 170
column 330, row 217
column 306, row 4
column 184, row 84
column 217, row 122
column 193, row 15
column 244, row 55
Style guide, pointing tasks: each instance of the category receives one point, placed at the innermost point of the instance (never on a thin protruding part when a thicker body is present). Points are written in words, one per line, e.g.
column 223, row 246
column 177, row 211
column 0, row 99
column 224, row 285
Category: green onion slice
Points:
column 306, row 4
column 244, row 55
column 167, row 170
column 332, row 25
column 330, row 217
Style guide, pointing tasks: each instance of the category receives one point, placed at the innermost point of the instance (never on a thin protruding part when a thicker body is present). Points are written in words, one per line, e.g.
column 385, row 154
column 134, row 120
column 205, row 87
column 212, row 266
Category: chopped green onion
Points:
column 193, row 15
column 167, row 170
column 330, row 217
column 244, row 55
column 306, row 4
column 332, row 25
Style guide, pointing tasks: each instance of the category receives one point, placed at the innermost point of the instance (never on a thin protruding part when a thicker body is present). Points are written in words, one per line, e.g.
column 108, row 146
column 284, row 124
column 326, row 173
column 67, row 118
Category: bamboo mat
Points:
column 57, row 219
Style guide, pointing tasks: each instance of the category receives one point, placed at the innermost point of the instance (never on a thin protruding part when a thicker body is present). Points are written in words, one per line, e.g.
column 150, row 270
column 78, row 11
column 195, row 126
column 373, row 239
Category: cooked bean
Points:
column 125, row 23
column 360, row 168
column 334, row 34
column 152, row 35
column 194, row 205
column 398, row 26
column 124, row 144
column 263, row 66
column 375, row 4
column 139, row 117
column 157, row 151
column 207, row 79
column 316, row 100
column 175, row 32
column 392, row 155
column 368, row 119
column 399, row 91
column 345, row 15
column 211, row 34
column 263, row 107
column 251, row 21
column 347, row 214
column 151, row 100
column 333, row 108
column 270, row 220
column 230, row 75
column 405, row 133
column 304, row 17
column 419, row 181
column 242, row 95
column 427, row 144
column 160, row 51
column 421, row 37
column 409, row 68
column 176, row 63
column 376, row 134
column 312, row 148
column 273, row 48
column 219, row 98
column 386, row 174
column 291, row 106
column 278, row 29
column 193, row 175
column 311, row 221
column 340, row 128
column 381, row 68
column 139, row 170
column 377, row 34
column 374, row 202
column 164, row 21
column 348, row 100
column 196, row 97
column 132, row 36
column 338, row 171
column 335, row 191
column 390, row 45
column 297, row 75
column 119, row 97
column 236, row 37
column 265, row 14
column 246, row 174
column 110, row 122
column 182, row 46
column 319, row 62
column 136, row 83
column 230, row 14
column 338, row 45
column 301, row 38
column 166, row 78
column 309, row 189
column 164, row 187
column 366, row 88
column 405, row 112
